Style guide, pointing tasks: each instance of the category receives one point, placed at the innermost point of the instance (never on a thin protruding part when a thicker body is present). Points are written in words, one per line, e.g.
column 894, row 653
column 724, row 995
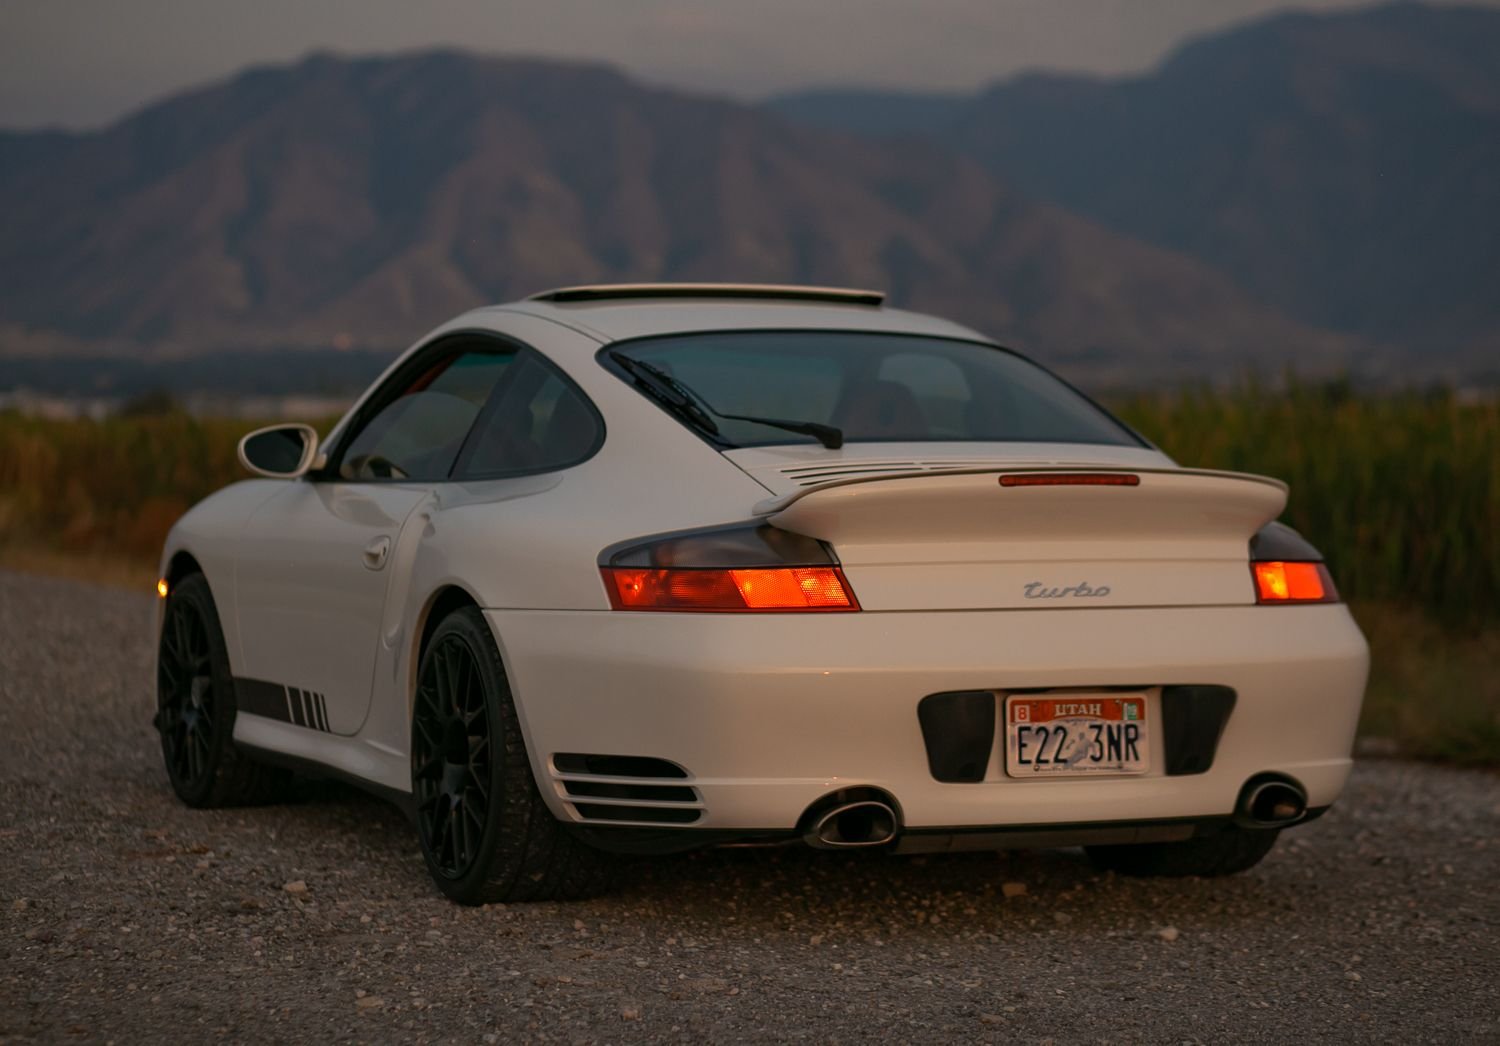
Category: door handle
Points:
column 375, row 553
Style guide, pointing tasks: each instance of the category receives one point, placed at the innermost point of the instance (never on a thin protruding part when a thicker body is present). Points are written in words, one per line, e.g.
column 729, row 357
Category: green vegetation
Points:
column 113, row 486
column 1401, row 492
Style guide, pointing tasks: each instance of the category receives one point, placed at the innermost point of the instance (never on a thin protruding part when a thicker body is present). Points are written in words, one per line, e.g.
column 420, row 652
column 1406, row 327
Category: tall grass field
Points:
column 1401, row 492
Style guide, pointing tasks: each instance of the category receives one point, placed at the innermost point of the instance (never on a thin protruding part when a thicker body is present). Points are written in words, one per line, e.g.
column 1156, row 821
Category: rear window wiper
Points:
column 696, row 410
column 670, row 392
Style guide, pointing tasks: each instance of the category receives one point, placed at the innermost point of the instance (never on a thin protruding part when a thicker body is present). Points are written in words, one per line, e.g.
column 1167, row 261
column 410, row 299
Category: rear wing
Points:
column 1034, row 506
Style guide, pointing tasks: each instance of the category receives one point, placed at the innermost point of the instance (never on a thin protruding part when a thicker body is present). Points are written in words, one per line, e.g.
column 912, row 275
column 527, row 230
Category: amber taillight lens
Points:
column 779, row 588
column 741, row 568
column 1279, row 581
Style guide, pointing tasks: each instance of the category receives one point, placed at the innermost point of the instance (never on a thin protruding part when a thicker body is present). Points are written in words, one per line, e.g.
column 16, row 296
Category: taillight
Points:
column 726, row 569
column 1280, row 581
column 782, row 588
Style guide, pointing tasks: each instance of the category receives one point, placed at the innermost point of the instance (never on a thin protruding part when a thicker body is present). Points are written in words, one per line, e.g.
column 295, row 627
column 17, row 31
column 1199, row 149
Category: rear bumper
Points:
column 766, row 714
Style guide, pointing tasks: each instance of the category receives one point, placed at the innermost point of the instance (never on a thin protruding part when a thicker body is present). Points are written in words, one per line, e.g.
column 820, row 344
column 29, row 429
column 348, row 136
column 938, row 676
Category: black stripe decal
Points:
column 288, row 704
column 259, row 697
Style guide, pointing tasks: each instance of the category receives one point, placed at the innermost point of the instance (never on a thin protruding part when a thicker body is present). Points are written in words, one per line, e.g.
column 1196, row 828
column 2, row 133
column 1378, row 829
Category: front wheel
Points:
column 486, row 834
column 1225, row 853
column 195, row 707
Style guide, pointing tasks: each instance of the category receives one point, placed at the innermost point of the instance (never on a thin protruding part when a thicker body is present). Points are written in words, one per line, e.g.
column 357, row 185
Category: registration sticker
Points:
column 1077, row 735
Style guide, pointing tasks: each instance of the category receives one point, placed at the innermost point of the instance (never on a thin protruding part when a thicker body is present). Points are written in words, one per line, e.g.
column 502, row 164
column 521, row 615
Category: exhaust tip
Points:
column 1271, row 803
column 859, row 822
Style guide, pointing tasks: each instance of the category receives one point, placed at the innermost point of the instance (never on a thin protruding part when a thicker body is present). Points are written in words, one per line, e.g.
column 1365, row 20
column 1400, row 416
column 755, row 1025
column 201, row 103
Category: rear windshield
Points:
column 871, row 387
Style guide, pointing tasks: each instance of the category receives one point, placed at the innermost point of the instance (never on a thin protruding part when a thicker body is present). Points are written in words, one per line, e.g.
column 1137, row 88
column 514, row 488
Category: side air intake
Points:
column 626, row 789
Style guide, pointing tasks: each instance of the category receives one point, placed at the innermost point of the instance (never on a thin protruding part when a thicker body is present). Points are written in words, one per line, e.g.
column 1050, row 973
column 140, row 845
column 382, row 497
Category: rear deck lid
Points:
column 1037, row 537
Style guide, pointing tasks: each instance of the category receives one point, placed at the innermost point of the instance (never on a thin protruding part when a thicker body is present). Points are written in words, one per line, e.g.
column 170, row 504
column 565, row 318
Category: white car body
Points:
column 324, row 588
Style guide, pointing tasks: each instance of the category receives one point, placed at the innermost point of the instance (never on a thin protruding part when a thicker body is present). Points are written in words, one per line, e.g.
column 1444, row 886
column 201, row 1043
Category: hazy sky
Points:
column 84, row 62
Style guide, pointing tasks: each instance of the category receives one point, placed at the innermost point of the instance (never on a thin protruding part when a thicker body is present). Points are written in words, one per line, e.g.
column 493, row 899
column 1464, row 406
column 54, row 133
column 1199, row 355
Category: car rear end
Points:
column 942, row 687
column 990, row 619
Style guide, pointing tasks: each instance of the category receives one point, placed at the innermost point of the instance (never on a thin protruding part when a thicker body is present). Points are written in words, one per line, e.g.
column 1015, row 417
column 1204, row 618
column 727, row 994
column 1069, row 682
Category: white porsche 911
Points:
column 638, row 569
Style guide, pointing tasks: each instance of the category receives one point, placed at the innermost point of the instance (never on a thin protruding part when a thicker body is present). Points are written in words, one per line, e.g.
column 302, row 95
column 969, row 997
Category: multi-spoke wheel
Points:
column 185, row 693
column 485, row 832
column 451, row 756
column 195, row 706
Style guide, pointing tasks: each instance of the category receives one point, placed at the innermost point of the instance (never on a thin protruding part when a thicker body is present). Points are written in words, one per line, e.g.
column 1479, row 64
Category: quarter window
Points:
column 418, row 434
column 537, row 422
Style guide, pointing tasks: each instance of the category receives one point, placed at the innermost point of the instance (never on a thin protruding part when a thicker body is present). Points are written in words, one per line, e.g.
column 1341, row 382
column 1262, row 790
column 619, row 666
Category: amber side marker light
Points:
column 161, row 588
column 1070, row 479
column 729, row 591
column 1277, row 581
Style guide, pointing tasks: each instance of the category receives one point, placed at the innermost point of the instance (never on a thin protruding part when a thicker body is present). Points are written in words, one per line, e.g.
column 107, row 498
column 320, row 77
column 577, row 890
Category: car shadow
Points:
column 762, row 886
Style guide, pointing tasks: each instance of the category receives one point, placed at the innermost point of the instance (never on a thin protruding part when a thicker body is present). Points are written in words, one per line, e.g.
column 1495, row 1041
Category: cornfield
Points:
column 1401, row 493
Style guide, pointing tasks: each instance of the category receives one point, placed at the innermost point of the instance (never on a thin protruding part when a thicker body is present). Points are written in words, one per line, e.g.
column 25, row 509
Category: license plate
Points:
column 1076, row 735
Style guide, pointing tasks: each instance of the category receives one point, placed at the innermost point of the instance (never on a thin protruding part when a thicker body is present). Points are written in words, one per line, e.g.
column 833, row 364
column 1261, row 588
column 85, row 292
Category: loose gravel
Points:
column 125, row 916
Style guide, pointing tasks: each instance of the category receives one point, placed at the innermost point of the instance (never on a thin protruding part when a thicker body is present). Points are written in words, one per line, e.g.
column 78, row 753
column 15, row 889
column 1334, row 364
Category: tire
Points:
column 195, row 707
column 485, row 832
column 1225, row 853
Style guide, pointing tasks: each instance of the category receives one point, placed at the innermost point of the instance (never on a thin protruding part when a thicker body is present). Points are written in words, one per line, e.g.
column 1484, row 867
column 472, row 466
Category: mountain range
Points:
column 1317, row 192
column 1343, row 168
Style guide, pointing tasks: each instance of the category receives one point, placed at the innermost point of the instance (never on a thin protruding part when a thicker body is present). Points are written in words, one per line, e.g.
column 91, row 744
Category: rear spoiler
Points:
column 1030, row 505
column 776, row 504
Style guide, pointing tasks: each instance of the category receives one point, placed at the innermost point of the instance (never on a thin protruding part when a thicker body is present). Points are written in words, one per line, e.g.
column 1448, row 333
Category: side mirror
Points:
column 280, row 451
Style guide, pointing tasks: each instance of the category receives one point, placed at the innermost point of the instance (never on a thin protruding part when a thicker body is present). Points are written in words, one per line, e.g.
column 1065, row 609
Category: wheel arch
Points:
column 180, row 565
column 441, row 602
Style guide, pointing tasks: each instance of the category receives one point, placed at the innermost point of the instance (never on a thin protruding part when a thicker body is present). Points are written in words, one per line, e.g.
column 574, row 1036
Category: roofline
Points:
column 735, row 291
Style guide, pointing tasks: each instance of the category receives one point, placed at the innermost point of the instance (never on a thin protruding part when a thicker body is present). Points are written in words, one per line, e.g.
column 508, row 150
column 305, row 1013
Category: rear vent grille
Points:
column 626, row 788
column 812, row 475
column 617, row 766
column 605, row 790
column 654, row 814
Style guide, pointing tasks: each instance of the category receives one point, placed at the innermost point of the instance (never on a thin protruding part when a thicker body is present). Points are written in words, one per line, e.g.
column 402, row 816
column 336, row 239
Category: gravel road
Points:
column 125, row 916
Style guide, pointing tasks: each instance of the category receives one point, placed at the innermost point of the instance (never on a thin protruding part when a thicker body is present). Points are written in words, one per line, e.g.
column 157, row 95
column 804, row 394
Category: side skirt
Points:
column 323, row 772
column 377, row 770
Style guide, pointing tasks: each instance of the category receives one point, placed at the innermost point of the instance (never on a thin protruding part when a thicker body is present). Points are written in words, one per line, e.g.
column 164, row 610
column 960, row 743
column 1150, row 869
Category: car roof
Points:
column 609, row 313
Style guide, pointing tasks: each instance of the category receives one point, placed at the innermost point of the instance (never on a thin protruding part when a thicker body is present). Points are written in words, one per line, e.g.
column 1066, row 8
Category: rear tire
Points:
column 485, row 832
column 1230, row 851
column 195, row 707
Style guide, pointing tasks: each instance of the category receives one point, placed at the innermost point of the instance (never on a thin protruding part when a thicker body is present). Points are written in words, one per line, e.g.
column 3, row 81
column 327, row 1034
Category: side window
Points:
column 419, row 432
column 538, row 422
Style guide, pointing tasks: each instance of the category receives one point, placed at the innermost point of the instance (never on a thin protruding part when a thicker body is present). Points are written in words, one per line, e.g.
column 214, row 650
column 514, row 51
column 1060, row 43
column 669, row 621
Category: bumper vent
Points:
column 626, row 789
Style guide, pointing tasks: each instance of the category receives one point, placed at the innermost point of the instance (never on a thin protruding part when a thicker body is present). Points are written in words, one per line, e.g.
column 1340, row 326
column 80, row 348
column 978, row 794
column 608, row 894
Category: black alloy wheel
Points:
column 486, row 833
column 186, row 705
column 451, row 757
column 195, row 707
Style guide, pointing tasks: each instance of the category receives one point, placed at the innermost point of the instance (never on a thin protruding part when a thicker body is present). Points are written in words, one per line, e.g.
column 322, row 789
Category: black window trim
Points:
column 460, row 472
column 455, row 343
column 604, row 360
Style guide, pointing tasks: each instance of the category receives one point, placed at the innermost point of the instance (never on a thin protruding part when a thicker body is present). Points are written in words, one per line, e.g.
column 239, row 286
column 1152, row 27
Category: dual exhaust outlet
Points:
column 847, row 821
column 1270, row 802
column 851, row 822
